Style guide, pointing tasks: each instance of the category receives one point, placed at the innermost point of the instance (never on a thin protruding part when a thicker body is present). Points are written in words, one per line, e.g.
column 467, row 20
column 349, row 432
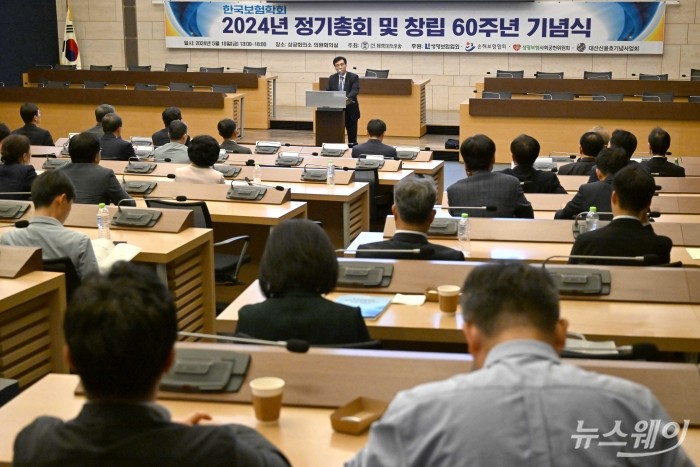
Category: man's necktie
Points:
column 341, row 83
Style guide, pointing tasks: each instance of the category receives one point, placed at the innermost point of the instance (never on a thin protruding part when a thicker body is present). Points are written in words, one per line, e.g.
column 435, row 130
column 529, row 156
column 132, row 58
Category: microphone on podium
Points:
column 293, row 345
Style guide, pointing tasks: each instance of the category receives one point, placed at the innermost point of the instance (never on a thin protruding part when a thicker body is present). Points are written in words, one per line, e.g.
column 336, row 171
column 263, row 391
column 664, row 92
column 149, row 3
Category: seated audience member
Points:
column 93, row 183
column 203, row 154
column 519, row 404
column 603, row 134
column 659, row 142
column 374, row 145
column 413, row 209
column 622, row 139
column 228, row 130
column 100, row 112
column 482, row 187
column 16, row 170
column 525, row 150
column 609, row 162
column 299, row 266
column 590, row 145
column 112, row 146
column 4, row 131
column 629, row 233
column 120, row 332
column 175, row 151
column 32, row 118
column 53, row 195
column 161, row 137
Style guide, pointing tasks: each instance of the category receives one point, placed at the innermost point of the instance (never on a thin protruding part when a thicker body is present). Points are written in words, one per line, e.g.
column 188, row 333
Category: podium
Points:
column 330, row 115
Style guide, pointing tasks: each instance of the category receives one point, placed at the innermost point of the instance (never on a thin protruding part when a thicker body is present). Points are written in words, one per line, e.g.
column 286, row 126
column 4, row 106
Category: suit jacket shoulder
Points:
column 408, row 241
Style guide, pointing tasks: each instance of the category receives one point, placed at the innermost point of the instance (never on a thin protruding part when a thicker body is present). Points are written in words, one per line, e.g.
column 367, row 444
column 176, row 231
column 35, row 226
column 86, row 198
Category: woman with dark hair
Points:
column 299, row 266
column 16, row 172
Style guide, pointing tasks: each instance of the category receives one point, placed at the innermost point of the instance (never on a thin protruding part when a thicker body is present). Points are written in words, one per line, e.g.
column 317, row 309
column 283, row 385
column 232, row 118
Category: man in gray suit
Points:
column 93, row 183
column 100, row 112
column 501, row 193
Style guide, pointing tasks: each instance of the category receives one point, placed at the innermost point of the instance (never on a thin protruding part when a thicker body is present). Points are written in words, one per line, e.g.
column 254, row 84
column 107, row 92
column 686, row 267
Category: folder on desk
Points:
column 371, row 306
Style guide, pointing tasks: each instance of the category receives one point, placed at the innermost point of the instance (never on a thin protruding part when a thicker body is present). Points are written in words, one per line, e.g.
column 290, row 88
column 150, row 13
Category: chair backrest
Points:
column 204, row 69
column 370, row 73
column 657, row 97
column 608, row 97
column 181, row 86
column 64, row 67
column 145, row 87
column 370, row 176
column 100, row 67
column 94, row 84
column 66, row 266
column 693, row 98
column 43, row 66
column 559, row 96
column 694, row 74
column 56, row 84
column 549, row 75
column 176, row 67
column 510, row 73
column 496, row 95
column 139, row 68
column 199, row 209
column 224, row 88
column 646, row 77
column 597, row 75
column 260, row 71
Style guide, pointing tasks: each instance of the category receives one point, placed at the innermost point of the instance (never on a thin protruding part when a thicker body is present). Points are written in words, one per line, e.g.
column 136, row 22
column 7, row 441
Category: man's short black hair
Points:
column 659, row 141
column 4, row 131
column 176, row 130
column 635, row 187
column 339, row 58
column 497, row 296
column 300, row 257
column 414, row 198
column 102, row 110
column 611, row 160
column 111, row 122
column 120, row 329
column 625, row 140
column 478, row 152
column 83, row 147
column 376, row 127
column 591, row 143
column 227, row 128
column 203, row 151
column 13, row 148
column 28, row 111
column 50, row 184
column 525, row 150
column 170, row 114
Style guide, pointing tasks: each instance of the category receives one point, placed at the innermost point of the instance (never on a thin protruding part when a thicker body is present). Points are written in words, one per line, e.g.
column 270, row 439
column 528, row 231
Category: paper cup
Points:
column 448, row 297
column 267, row 398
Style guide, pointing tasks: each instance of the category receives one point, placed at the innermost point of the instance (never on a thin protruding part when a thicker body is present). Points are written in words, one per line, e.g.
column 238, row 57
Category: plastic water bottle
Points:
column 463, row 233
column 330, row 174
column 592, row 219
column 257, row 174
column 104, row 222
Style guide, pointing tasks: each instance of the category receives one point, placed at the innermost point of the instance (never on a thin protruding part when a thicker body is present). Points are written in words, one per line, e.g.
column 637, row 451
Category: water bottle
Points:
column 104, row 222
column 257, row 174
column 463, row 233
column 330, row 174
column 592, row 219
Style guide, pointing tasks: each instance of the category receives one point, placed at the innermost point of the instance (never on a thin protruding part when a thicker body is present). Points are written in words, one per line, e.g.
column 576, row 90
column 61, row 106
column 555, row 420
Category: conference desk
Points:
column 668, row 185
column 424, row 155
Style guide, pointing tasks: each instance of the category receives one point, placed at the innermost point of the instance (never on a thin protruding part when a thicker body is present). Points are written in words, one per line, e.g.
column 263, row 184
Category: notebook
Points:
column 371, row 305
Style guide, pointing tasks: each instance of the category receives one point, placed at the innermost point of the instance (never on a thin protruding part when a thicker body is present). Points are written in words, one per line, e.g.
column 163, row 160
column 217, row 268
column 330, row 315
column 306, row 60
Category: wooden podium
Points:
column 330, row 115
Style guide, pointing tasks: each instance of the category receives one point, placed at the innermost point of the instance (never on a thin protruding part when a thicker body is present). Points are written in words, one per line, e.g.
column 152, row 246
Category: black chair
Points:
column 176, row 67
column 496, row 95
column 549, row 75
column 9, row 388
column 370, row 73
column 379, row 203
column 226, row 265
column 510, row 73
column 607, row 97
column 597, row 75
column 57, row 84
column 66, row 266
column 204, row 69
column 694, row 74
column 693, row 98
column 646, row 77
column 188, row 87
column 558, row 96
column 260, row 71
column 232, row 88
column 43, row 66
column 139, row 68
column 145, row 87
column 100, row 67
column 94, row 84
column 64, row 67
column 657, row 97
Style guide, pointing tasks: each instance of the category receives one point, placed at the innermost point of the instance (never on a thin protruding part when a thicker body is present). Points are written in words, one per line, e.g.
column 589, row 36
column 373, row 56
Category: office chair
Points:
column 64, row 67
column 597, row 75
column 657, row 97
column 694, row 74
column 646, row 77
column 204, row 69
column 260, row 71
column 9, row 388
column 188, row 87
column 608, row 97
column 138, row 68
column 496, row 95
column 510, row 73
column 379, row 203
column 176, row 67
column 548, row 75
column 66, row 266
column 226, row 88
column 226, row 265
column 370, row 73
column 94, row 84
column 57, row 84
column 559, row 96
column 145, row 87
column 100, row 67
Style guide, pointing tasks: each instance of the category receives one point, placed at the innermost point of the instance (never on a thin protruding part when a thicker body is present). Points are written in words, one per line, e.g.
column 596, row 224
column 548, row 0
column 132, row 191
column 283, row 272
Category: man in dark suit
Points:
column 624, row 140
column 32, row 118
column 93, row 183
column 374, row 145
column 413, row 209
column 227, row 130
column 482, row 187
column 659, row 142
column 112, row 145
column 609, row 162
column 590, row 144
column 344, row 80
column 525, row 149
column 161, row 136
column 629, row 233
column 100, row 112
column 120, row 333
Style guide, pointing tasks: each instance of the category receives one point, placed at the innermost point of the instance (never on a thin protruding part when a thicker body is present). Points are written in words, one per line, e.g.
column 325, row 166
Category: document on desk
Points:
column 107, row 253
column 371, row 305
column 694, row 252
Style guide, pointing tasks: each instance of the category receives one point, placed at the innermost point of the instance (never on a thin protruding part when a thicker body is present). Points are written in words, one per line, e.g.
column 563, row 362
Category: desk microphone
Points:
column 422, row 251
column 643, row 96
column 20, row 224
column 473, row 208
column 293, row 345
column 250, row 183
column 546, row 95
column 646, row 258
